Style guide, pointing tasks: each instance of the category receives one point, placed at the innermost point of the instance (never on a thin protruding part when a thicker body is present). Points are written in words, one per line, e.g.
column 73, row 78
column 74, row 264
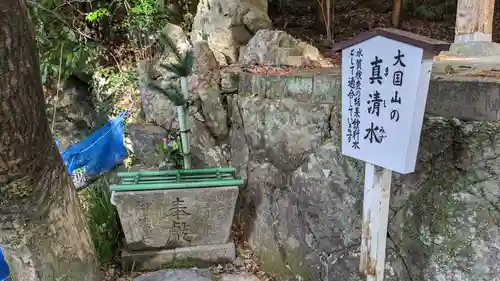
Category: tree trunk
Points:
column 396, row 12
column 324, row 16
column 42, row 228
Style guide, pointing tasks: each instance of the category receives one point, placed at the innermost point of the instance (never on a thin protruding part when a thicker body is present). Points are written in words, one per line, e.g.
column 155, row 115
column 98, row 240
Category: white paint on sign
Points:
column 384, row 92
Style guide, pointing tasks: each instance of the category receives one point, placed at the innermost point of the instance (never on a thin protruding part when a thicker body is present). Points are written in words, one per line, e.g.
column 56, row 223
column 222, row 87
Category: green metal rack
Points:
column 176, row 179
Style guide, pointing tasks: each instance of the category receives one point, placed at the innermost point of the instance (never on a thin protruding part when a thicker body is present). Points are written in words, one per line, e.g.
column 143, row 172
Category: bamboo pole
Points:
column 182, row 113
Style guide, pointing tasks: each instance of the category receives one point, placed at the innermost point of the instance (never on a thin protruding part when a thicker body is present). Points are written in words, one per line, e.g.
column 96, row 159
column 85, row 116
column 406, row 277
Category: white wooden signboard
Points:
column 383, row 102
column 384, row 92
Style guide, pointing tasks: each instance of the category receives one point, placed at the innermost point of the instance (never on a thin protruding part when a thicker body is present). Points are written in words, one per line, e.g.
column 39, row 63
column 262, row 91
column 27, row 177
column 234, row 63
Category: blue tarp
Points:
column 98, row 153
column 4, row 269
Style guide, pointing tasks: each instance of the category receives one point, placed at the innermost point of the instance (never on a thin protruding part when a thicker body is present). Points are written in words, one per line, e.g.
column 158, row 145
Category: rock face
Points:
column 276, row 47
column 444, row 224
column 302, row 201
column 205, row 82
column 75, row 116
column 302, row 196
column 228, row 24
column 177, row 275
column 144, row 138
column 157, row 108
column 238, row 277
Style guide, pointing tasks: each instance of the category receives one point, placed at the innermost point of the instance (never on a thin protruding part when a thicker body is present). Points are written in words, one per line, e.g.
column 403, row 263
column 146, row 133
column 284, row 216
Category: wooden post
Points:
column 385, row 80
column 396, row 13
column 375, row 218
column 474, row 21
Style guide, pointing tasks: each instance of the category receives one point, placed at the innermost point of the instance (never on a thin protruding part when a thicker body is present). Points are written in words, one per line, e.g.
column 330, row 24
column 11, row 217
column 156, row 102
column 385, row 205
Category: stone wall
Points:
column 300, row 207
column 302, row 203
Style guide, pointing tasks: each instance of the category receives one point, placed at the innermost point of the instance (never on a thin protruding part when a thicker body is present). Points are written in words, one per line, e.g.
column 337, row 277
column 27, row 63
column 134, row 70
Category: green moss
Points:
column 454, row 169
column 271, row 262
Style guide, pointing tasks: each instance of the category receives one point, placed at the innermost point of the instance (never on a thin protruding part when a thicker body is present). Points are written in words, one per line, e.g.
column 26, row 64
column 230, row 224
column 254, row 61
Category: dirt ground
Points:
column 427, row 17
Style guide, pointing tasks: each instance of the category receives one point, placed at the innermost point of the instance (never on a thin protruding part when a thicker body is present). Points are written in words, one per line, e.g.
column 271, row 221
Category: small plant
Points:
column 169, row 149
column 102, row 218
column 97, row 14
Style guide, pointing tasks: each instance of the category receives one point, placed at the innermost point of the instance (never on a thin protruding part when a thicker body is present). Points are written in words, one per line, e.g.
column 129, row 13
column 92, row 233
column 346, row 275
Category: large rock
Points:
column 177, row 275
column 444, row 224
column 144, row 138
column 277, row 48
column 238, row 277
column 228, row 24
column 302, row 196
column 206, row 151
column 157, row 108
column 205, row 82
column 302, row 201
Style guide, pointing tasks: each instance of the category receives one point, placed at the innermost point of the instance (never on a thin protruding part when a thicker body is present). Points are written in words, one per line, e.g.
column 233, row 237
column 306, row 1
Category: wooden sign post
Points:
column 385, row 79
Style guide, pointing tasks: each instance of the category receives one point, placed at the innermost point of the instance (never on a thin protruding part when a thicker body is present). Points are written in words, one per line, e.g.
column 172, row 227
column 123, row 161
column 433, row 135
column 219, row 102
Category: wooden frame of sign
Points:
column 385, row 79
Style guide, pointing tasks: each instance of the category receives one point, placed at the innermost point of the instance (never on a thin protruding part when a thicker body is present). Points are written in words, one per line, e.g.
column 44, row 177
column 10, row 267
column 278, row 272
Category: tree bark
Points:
column 474, row 21
column 42, row 228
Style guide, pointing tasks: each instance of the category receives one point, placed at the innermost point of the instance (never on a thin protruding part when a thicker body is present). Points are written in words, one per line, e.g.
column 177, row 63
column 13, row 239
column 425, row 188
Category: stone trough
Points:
column 176, row 217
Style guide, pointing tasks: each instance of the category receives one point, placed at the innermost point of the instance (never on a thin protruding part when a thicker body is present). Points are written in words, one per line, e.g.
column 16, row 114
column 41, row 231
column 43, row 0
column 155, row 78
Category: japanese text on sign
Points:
column 379, row 88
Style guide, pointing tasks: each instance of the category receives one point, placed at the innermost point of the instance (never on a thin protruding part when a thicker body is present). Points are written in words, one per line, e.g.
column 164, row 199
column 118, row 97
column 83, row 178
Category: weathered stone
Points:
column 301, row 205
column 238, row 277
column 157, row 108
column 290, row 237
column 230, row 79
column 144, row 138
column 305, row 212
column 441, row 216
column 228, row 24
column 475, row 49
column 178, row 275
column 205, row 150
column 281, row 132
column 276, row 47
column 313, row 86
column 468, row 98
column 445, row 223
column 172, row 218
column 196, row 256
column 205, row 82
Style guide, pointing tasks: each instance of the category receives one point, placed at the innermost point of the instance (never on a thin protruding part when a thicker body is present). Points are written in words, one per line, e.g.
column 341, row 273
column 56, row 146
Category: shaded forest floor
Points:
column 433, row 20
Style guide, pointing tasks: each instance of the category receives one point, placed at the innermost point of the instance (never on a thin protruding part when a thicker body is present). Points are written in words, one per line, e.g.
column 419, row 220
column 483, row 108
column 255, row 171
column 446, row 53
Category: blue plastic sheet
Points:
column 4, row 269
column 98, row 153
